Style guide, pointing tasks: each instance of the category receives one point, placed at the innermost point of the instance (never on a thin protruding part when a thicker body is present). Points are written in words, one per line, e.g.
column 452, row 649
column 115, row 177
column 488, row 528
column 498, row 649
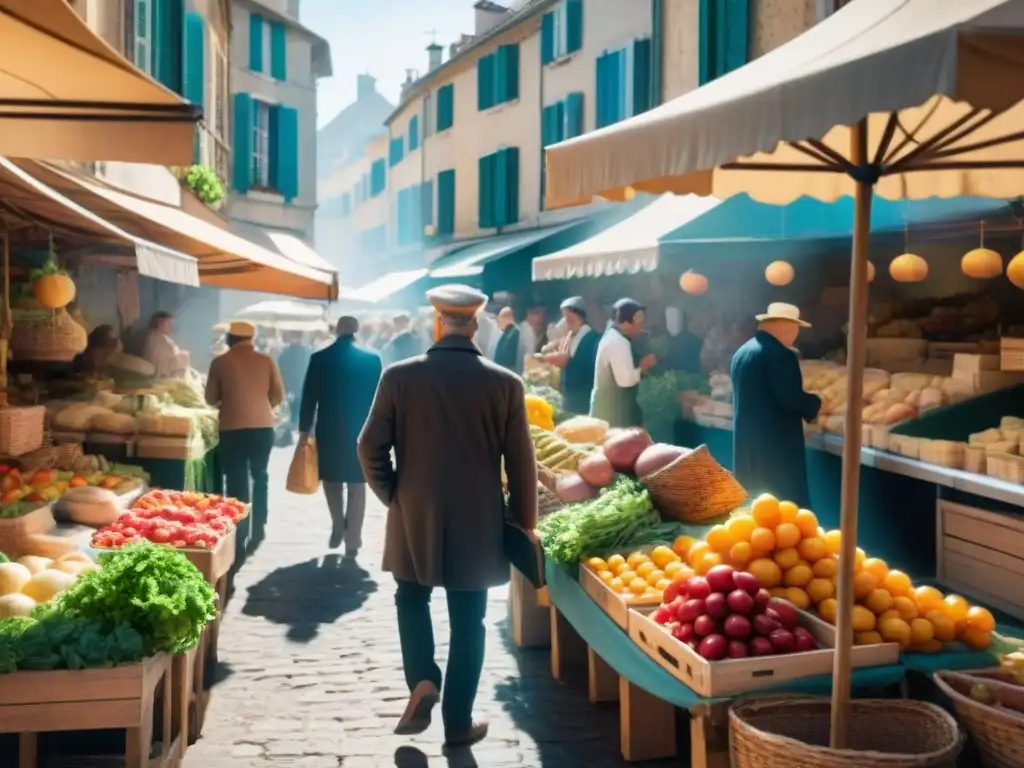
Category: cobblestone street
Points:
column 310, row 667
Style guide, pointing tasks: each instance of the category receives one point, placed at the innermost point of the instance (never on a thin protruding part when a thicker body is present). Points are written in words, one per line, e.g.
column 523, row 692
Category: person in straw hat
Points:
column 246, row 386
column 451, row 417
column 769, row 406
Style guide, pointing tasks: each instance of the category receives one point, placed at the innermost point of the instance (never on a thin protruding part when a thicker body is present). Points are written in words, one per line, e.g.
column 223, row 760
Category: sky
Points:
column 382, row 37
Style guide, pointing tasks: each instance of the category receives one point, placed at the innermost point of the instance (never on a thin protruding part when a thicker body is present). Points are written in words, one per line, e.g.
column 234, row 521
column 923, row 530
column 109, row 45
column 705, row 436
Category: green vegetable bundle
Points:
column 622, row 514
column 658, row 397
column 53, row 641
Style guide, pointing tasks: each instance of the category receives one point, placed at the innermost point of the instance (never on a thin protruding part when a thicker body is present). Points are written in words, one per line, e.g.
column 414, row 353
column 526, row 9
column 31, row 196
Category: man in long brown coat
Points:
column 450, row 416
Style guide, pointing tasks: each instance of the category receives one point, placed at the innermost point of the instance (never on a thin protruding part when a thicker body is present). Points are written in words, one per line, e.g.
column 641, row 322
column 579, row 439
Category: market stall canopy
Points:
column 791, row 111
column 383, row 288
column 471, row 260
column 628, row 247
column 66, row 94
column 287, row 315
column 27, row 202
column 284, row 243
column 225, row 259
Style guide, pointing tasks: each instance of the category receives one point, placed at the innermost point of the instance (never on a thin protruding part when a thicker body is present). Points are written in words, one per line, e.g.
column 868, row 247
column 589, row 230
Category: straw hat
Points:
column 456, row 299
column 242, row 329
column 779, row 310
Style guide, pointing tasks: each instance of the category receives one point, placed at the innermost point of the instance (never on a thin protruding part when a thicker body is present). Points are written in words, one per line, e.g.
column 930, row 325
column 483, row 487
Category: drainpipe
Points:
column 540, row 115
column 657, row 50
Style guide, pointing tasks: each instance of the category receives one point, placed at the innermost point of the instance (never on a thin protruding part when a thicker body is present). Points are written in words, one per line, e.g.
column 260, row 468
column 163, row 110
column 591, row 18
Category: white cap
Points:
column 779, row 310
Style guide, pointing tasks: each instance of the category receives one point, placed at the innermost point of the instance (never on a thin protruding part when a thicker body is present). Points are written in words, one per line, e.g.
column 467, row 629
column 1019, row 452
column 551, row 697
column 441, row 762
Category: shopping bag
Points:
column 304, row 472
column 524, row 552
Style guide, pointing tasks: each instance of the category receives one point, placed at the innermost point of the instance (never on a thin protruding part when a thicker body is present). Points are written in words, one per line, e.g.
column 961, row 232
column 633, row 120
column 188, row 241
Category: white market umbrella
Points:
column 903, row 98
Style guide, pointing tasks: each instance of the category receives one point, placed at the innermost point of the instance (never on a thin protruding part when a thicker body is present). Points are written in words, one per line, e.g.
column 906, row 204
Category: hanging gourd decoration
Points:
column 871, row 272
column 982, row 264
column 908, row 268
column 51, row 286
column 1015, row 270
column 693, row 283
column 779, row 273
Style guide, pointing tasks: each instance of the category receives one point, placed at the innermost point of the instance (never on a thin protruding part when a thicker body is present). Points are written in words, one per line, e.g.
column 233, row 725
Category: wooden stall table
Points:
column 528, row 612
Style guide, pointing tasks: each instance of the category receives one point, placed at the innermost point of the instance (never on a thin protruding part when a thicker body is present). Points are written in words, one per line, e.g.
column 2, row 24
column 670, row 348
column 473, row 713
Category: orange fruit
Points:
column 645, row 569
column 627, row 575
column 863, row 583
column 945, row 629
column 898, row 583
column 623, row 568
column 828, row 609
column 707, row 562
column 798, row 576
column 765, row 511
column 766, row 571
column 859, row 557
column 826, row 568
column 906, row 607
column 928, row 599
column 655, row 576
column 786, row 558
column 672, row 568
column 606, row 576
column 812, row 549
column 681, row 546
column 892, row 613
column 636, row 558
column 740, row 553
column 807, row 523
column 980, row 618
column 778, row 592
column 787, row 535
column 895, row 631
column 976, row 638
column 762, row 540
column 798, row 597
column 741, row 527
column 863, row 619
column 616, row 585
column 663, row 555
column 833, row 540
column 683, row 573
column 719, row 539
column 921, row 631
column 596, row 564
column 867, row 638
column 878, row 601
column 877, row 567
column 662, row 585
column 638, row 586
column 820, row 589
column 788, row 511
column 955, row 608
column 697, row 551
column 614, row 562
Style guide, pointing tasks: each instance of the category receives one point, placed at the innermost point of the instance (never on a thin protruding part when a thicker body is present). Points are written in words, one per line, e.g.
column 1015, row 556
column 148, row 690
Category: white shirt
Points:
column 615, row 352
column 527, row 339
column 574, row 342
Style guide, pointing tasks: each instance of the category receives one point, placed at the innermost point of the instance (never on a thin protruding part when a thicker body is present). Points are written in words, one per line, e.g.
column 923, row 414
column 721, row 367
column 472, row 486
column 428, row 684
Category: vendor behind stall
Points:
column 160, row 349
column 507, row 350
column 769, row 405
column 577, row 356
column 102, row 345
column 616, row 378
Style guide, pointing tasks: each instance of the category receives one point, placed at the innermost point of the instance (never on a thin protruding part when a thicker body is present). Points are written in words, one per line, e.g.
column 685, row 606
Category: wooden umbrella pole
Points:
column 855, row 357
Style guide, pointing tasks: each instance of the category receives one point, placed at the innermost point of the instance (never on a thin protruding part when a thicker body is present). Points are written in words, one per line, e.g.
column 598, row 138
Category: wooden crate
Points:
column 39, row 520
column 981, row 554
column 610, row 602
column 736, row 676
column 1011, row 354
column 177, row 448
column 527, row 615
column 213, row 563
column 93, row 699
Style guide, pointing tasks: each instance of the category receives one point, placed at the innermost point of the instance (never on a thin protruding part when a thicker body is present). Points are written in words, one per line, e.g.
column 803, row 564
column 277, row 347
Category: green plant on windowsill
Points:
column 203, row 180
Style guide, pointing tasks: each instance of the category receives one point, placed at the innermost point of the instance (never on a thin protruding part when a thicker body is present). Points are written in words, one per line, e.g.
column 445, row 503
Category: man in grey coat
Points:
column 450, row 416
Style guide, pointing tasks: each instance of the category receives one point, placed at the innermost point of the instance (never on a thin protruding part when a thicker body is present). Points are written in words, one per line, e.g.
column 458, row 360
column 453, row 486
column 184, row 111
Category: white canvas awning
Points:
column 628, row 247
column 471, row 260
column 387, row 286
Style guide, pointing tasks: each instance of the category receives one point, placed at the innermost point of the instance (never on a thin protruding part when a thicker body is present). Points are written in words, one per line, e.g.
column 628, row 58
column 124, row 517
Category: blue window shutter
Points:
column 622, row 89
column 414, row 133
column 287, row 143
column 242, row 145
column 641, row 74
column 605, row 91
column 706, row 41
column 195, row 58
column 143, row 19
column 278, row 51
column 507, row 73
column 501, row 188
column 573, row 115
column 485, row 195
column 168, row 17
column 547, row 125
column 547, row 38
column 396, row 150
column 378, row 177
column 511, row 210
column 426, row 204
column 255, row 42
column 485, row 78
column 446, row 202
column 736, row 20
column 573, row 25
column 500, row 76
column 445, row 107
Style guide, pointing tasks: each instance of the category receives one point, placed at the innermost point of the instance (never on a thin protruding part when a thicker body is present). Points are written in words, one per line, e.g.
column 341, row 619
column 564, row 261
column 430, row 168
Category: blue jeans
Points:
column 466, row 610
column 245, row 457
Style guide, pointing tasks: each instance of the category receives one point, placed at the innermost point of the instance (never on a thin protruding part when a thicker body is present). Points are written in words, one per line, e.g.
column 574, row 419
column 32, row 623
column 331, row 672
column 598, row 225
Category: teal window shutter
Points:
column 642, row 94
column 549, row 125
column 736, row 18
column 445, row 107
column 278, row 51
column 511, row 209
column 573, row 116
column 605, row 90
column 195, row 58
column 573, row 25
column 168, row 42
column 378, row 177
column 485, row 196
column 404, row 224
column 501, row 188
column 242, row 145
column 287, row 154
column 547, row 38
column 255, row 42
column 485, row 79
column 143, row 43
column 500, row 76
column 414, row 133
column 446, row 202
column 426, row 204
column 507, row 73
column 396, row 150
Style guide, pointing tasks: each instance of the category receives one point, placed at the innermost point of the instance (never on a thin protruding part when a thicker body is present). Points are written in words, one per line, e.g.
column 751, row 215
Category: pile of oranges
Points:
column 640, row 576
column 794, row 558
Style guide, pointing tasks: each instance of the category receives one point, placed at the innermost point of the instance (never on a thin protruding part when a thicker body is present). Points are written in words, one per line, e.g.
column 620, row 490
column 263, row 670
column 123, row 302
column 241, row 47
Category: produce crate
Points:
column 216, row 562
column 178, row 448
column 123, row 697
column 610, row 602
column 735, row 676
column 39, row 520
column 980, row 554
column 528, row 613
column 1011, row 354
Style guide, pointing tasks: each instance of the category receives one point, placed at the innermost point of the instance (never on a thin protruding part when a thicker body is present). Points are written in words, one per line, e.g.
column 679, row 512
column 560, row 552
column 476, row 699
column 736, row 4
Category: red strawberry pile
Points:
column 174, row 518
column 727, row 615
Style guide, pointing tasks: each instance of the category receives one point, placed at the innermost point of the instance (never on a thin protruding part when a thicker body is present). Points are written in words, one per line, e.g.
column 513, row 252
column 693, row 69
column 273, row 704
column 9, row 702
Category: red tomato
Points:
column 160, row 536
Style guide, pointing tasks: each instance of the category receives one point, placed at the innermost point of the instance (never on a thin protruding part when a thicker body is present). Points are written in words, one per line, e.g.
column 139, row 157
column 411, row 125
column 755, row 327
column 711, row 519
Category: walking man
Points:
column 450, row 416
column 246, row 386
column 507, row 352
column 293, row 362
column 336, row 398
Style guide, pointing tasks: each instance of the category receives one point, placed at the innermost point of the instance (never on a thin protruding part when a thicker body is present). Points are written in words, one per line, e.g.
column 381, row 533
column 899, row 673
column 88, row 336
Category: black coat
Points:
column 769, row 406
column 506, row 352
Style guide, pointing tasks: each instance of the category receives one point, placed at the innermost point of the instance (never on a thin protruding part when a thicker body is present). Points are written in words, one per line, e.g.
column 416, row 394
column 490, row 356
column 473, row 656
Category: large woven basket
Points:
column 998, row 734
column 883, row 733
column 47, row 335
column 21, row 430
column 694, row 488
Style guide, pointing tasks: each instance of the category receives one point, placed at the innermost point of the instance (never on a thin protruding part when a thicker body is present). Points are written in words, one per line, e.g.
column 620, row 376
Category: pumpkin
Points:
column 693, row 283
column 908, row 268
column 779, row 273
column 982, row 263
column 871, row 272
column 54, row 291
column 1015, row 270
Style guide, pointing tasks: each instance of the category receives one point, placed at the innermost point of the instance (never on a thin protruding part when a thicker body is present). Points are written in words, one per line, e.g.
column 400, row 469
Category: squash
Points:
column 35, row 563
column 16, row 605
column 46, row 585
column 54, row 291
column 13, row 576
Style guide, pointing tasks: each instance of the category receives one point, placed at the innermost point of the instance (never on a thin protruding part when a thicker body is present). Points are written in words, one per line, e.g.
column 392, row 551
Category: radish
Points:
column 705, row 625
column 740, row 601
column 737, row 626
column 782, row 641
column 716, row 605
column 765, row 625
column 786, row 612
column 720, row 579
column 803, row 640
column 761, row 599
column 697, row 587
column 747, row 583
column 684, row 632
column 762, row 646
column 738, row 649
column 713, row 647
column 691, row 610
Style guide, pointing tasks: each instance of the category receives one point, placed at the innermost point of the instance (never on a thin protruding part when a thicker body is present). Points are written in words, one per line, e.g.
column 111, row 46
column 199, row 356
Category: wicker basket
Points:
column 883, row 733
column 694, row 488
column 999, row 734
column 46, row 335
column 547, row 501
column 21, row 430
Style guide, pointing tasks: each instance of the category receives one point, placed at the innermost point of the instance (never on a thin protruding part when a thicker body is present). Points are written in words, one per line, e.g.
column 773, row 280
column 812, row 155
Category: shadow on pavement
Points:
column 410, row 757
column 306, row 595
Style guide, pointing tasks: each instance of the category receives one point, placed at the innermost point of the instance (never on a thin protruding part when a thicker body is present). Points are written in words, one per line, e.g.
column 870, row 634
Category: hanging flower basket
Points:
column 51, row 287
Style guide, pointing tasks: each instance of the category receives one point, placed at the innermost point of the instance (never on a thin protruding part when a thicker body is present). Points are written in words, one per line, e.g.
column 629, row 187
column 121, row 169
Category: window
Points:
column 414, row 133
column 378, row 177
column 261, row 176
column 561, row 31
column 266, row 147
column 446, row 202
column 445, row 107
column 138, row 34
column 562, row 120
column 724, row 37
column 256, row 42
column 624, row 83
column 396, row 150
column 497, row 77
column 277, row 44
column 498, row 193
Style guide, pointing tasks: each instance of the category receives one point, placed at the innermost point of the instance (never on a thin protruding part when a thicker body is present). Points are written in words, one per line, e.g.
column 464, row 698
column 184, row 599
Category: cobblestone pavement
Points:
column 311, row 669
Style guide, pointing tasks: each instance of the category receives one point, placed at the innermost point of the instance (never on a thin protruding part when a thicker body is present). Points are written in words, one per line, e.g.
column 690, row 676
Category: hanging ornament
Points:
column 982, row 263
column 51, row 287
column 1015, row 270
column 779, row 273
column 871, row 272
column 693, row 283
column 908, row 268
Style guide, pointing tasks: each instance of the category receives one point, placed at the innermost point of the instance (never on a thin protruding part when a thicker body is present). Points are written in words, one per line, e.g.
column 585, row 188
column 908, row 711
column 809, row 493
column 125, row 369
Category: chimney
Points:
column 488, row 16
column 410, row 78
column 453, row 49
column 366, row 86
column 434, row 53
